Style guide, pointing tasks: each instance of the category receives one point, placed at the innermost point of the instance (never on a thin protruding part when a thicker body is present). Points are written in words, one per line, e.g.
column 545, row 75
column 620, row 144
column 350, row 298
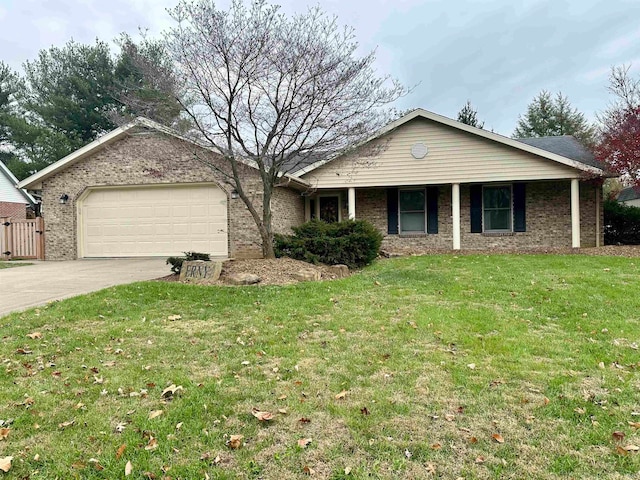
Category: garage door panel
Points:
column 157, row 221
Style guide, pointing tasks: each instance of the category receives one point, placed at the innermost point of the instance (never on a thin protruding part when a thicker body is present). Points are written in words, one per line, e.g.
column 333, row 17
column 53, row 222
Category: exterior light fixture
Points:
column 234, row 194
column 64, row 198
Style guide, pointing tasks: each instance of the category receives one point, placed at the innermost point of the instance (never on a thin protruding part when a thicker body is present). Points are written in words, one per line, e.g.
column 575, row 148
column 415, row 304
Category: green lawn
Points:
column 10, row 264
column 439, row 356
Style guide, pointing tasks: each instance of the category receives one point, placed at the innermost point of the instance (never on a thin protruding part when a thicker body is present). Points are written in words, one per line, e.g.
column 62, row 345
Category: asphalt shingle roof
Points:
column 629, row 193
column 564, row 145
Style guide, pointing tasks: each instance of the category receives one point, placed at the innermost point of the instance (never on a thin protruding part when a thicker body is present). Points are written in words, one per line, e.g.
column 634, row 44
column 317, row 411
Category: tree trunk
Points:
column 266, row 229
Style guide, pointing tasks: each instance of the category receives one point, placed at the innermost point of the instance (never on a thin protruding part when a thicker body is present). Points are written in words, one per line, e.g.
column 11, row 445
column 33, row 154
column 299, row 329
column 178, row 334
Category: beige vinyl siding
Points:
column 633, row 203
column 454, row 157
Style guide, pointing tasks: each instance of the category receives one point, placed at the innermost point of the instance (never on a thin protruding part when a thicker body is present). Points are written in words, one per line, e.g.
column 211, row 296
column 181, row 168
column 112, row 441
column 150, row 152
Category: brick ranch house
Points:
column 427, row 182
column 13, row 201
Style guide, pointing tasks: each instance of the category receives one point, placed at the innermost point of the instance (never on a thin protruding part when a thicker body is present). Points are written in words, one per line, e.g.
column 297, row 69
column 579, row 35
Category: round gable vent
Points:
column 419, row 150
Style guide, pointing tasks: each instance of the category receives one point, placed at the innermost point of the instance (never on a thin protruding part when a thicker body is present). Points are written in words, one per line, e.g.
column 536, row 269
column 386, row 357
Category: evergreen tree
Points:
column 551, row 116
column 469, row 116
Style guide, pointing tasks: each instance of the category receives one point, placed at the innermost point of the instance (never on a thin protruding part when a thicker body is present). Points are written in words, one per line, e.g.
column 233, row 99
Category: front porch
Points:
column 507, row 215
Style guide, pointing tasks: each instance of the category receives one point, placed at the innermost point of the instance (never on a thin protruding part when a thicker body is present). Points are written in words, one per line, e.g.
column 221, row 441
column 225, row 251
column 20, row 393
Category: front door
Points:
column 330, row 209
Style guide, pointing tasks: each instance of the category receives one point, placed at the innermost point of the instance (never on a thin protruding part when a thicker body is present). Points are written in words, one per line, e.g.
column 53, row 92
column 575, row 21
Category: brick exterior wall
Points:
column 287, row 206
column 17, row 211
column 145, row 158
column 548, row 220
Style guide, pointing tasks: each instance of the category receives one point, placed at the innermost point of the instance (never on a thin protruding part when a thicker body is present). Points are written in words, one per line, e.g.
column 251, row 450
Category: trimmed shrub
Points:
column 355, row 243
column 176, row 262
column 621, row 224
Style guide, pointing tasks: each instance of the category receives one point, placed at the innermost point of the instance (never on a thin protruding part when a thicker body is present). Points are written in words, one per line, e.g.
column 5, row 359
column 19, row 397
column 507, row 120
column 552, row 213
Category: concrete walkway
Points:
column 42, row 282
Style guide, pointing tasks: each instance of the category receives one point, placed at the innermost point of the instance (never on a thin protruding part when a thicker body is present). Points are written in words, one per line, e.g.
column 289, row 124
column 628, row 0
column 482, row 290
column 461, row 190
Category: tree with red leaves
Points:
column 619, row 146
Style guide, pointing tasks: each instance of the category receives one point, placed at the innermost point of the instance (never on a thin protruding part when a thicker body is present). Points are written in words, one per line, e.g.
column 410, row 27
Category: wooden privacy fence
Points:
column 22, row 238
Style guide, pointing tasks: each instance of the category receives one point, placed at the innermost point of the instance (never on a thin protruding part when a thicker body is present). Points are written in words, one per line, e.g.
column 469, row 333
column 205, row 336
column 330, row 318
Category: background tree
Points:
column 71, row 95
column 274, row 91
column 469, row 115
column 552, row 116
column 145, row 83
column 619, row 145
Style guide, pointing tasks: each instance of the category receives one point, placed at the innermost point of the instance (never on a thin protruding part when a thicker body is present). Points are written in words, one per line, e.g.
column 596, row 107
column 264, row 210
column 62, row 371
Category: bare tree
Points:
column 274, row 91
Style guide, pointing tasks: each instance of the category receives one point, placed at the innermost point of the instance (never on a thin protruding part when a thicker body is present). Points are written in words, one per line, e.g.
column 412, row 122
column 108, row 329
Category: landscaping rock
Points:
column 199, row 271
column 243, row 279
column 339, row 271
column 307, row 275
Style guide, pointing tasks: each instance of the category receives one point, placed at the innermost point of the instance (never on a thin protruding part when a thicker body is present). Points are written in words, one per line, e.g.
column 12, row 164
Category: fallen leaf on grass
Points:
column 303, row 442
column 497, row 437
column 120, row 451
column 436, row 446
column 617, row 436
column 235, row 441
column 155, row 413
column 635, row 425
column 260, row 415
column 480, row 459
column 5, row 464
column 449, row 417
column 27, row 402
column 473, row 440
column 34, row 335
column 128, row 469
column 23, row 351
column 304, row 420
column 4, row 433
column 171, row 390
column 282, row 411
column 173, row 318
column 152, row 445
column 364, row 411
column 64, row 425
column 546, row 401
column 431, row 468
column 307, row 470
column 626, row 449
column 96, row 464
column 341, row 395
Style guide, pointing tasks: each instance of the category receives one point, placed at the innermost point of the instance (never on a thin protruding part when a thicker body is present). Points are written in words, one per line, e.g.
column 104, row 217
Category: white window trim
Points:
column 412, row 232
column 494, row 185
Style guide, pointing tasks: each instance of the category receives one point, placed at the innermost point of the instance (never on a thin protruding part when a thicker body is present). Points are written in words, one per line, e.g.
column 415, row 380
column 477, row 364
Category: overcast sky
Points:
column 499, row 54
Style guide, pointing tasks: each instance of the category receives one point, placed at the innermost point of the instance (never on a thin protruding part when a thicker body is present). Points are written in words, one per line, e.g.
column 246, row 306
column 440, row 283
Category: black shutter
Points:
column 432, row 209
column 519, row 207
column 476, row 208
column 392, row 211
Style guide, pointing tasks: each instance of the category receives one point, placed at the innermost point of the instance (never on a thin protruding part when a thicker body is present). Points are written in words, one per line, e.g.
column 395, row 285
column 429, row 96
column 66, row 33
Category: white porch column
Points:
column 455, row 214
column 575, row 213
column 352, row 203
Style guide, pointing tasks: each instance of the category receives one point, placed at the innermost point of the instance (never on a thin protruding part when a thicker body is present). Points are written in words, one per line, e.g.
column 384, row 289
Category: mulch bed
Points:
column 280, row 271
column 277, row 271
column 629, row 251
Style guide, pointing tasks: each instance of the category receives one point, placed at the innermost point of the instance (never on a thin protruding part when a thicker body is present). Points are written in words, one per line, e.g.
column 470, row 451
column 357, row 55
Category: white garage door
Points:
column 154, row 221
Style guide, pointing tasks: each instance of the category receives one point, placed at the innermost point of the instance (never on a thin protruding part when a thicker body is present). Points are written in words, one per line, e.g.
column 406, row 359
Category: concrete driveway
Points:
column 42, row 282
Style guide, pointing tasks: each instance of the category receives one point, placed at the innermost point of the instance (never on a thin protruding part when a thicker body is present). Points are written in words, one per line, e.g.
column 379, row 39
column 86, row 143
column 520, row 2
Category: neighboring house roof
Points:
column 567, row 146
column 111, row 137
column 629, row 193
column 579, row 163
column 8, row 190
